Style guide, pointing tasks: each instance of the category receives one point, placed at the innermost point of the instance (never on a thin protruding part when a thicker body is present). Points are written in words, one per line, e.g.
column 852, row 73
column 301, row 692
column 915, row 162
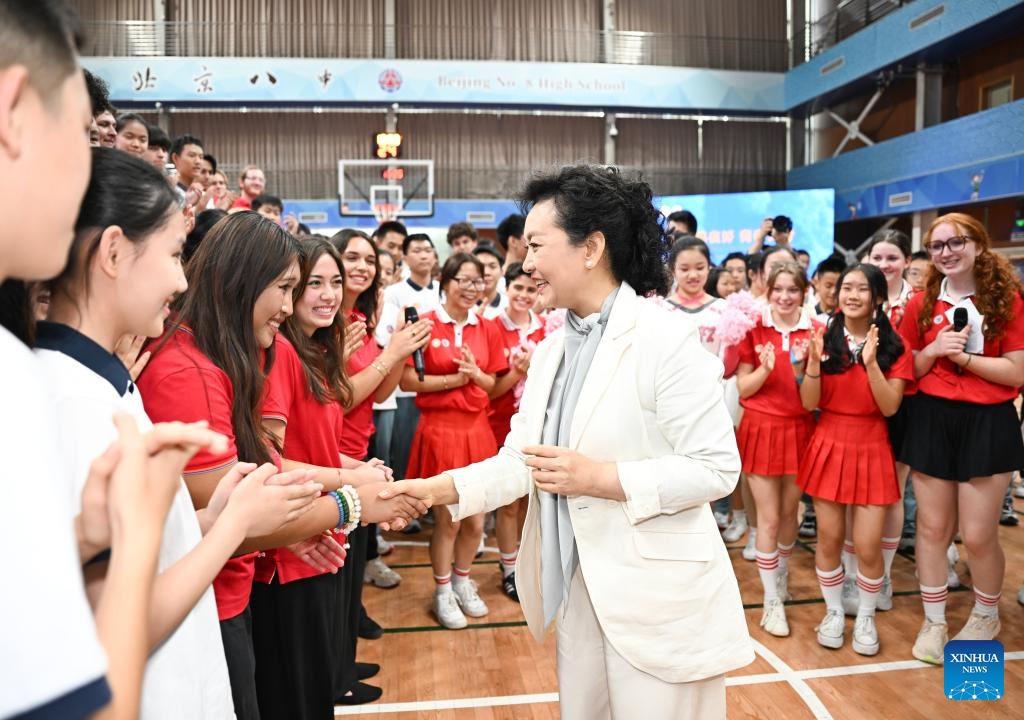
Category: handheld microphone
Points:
column 959, row 319
column 411, row 316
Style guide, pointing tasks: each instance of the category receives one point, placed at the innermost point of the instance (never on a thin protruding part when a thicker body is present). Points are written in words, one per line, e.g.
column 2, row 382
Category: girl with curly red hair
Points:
column 963, row 440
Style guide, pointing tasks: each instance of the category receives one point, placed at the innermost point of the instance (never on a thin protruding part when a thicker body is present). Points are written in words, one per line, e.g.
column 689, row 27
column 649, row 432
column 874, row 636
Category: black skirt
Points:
column 956, row 440
column 898, row 425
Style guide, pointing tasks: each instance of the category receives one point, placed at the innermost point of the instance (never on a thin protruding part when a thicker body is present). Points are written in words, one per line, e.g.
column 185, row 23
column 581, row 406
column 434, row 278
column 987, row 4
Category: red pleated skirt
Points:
column 772, row 445
column 449, row 439
column 850, row 461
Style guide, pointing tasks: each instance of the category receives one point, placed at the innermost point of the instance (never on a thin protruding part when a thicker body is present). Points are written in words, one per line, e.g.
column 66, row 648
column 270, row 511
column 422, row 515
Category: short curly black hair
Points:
column 598, row 198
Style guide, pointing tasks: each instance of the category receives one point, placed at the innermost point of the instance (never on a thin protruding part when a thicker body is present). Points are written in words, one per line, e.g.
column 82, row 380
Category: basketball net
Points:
column 385, row 212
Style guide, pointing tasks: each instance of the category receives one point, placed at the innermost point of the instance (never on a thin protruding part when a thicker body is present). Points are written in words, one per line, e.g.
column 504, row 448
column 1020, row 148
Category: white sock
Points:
column 768, row 569
column 868, row 589
column 934, row 601
column 831, row 583
column 986, row 605
column 889, row 547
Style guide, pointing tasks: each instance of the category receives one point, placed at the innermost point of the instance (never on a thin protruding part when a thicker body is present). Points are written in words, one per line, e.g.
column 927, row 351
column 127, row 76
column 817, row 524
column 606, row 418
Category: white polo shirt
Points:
column 396, row 297
column 187, row 676
column 53, row 661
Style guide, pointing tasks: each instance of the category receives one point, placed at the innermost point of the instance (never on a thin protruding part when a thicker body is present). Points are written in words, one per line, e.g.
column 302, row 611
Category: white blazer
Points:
column 659, row 576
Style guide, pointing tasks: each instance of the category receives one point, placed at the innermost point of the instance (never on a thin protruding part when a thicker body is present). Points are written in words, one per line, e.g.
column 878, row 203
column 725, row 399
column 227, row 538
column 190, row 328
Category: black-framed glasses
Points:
column 466, row 283
column 955, row 244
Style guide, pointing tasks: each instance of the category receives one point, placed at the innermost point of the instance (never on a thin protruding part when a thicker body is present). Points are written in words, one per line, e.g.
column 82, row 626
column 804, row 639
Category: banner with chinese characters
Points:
column 172, row 80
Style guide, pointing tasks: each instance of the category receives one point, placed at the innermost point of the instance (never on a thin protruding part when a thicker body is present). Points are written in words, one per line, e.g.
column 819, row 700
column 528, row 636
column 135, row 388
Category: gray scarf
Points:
column 558, row 543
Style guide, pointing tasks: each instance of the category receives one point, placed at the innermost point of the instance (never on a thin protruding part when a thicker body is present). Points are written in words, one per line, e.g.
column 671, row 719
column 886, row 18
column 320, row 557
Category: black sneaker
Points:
column 1009, row 516
column 508, row 586
column 809, row 526
column 365, row 671
column 360, row 694
column 369, row 629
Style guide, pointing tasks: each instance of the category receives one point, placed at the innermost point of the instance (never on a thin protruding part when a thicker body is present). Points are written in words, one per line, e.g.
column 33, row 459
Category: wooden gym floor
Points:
column 494, row 670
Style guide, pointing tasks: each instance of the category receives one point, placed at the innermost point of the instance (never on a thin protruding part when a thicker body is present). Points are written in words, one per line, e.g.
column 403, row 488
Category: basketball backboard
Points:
column 386, row 189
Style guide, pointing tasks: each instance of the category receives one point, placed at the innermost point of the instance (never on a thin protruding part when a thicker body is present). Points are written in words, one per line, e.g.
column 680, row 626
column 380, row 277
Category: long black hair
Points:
column 596, row 198
column 125, row 191
column 837, row 350
column 366, row 303
column 237, row 260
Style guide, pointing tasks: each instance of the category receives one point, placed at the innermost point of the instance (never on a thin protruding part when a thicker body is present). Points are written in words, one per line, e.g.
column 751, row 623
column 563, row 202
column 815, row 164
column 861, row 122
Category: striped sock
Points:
column 849, row 559
column 889, row 547
column 831, row 583
column 508, row 563
column 785, row 552
column 934, row 601
column 868, row 591
column 768, row 569
column 442, row 584
column 460, row 576
column 986, row 605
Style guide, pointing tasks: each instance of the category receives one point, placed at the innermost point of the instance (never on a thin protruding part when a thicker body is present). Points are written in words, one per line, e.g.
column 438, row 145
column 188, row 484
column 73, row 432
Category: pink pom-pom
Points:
column 740, row 314
column 553, row 320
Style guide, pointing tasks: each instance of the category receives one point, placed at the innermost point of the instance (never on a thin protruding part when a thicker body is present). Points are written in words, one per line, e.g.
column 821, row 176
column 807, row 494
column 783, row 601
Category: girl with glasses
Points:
column 461, row 362
column 963, row 441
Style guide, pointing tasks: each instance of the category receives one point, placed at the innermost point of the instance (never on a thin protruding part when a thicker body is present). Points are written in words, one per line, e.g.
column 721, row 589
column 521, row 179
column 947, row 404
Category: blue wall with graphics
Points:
column 727, row 221
column 886, row 42
column 974, row 158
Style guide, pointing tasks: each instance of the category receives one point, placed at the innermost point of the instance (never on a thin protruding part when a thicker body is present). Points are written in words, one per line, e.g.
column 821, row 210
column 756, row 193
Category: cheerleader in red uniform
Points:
column 520, row 330
column 889, row 251
column 775, row 429
column 963, row 441
column 461, row 361
column 849, row 465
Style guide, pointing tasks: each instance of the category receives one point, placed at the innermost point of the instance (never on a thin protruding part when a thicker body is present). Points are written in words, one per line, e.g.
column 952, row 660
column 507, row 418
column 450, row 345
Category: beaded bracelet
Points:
column 355, row 508
column 343, row 513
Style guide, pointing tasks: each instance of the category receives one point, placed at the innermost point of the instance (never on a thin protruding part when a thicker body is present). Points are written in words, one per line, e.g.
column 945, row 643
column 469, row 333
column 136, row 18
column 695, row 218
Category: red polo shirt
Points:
column 355, row 438
column 780, row 395
column 504, row 406
column 181, row 383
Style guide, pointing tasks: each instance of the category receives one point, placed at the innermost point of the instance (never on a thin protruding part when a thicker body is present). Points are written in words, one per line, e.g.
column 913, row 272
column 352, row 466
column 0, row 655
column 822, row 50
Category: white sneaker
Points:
column 931, row 642
column 782, row 585
column 749, row 550
column 722, row 519
column 384, row 547
column 953, row 556
column 980, row 627
column 446, row 608
column 469, row 599
column 735, row 530
column 885, row 596
column 379, row 574
column 851, row 596
column 774, row 618
column 865, row 635
column 831, row 629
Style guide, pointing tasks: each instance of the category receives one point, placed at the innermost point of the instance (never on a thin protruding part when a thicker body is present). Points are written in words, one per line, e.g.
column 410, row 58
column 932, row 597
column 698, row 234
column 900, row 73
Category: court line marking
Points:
column 810, row 698
column 740, row 680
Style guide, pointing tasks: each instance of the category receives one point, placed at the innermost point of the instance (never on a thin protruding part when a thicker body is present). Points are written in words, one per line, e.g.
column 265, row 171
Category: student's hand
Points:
column 291, row 223
column 767, row 356
column 521, row 361
column 92, row 526
column 321, row 552
column 467, row 365
column 265, row 500
column 355, row 333
column 949, row 342
column 869, row 353
column 225, row 201
column 390, row 514
column 389, row 474
column 190, row 218
column 407, row 340
column 128, row 351
column 419, row 489
column 365, row 474
column 816, row 346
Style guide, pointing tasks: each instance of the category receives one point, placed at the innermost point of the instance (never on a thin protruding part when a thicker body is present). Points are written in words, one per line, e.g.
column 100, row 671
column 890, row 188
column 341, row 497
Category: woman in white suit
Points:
column 621, row 442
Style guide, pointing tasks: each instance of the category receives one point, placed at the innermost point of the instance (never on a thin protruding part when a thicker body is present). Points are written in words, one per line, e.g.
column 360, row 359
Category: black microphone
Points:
column 411, row 316
column 959, row 319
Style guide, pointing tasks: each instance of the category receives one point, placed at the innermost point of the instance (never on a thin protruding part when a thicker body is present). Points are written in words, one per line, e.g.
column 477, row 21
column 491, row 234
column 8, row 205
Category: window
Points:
column 997, row 93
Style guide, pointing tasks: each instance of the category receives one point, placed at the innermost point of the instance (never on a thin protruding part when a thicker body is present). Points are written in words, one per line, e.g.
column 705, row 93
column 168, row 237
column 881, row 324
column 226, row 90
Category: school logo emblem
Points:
column 435, row 343
column 938, row 319
column 445, row 343
column 389, row 80
column 973, row 670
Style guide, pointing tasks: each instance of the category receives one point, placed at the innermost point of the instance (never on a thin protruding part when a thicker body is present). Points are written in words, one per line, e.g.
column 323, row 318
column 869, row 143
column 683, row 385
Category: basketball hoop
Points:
column 385, row 212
